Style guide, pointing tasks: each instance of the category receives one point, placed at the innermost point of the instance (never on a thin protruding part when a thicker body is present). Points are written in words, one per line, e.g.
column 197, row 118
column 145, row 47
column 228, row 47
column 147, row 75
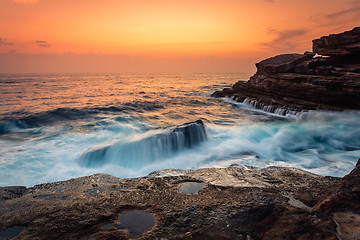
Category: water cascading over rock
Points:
column 145, row 149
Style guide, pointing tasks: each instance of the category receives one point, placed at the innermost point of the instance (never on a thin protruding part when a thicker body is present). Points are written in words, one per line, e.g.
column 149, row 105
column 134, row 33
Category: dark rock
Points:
column 295, row 82
column 346, row 197
column 218, row 94
column 11, row 192
column 343, row 44
column 312, row 66
column 342, row 205
column 282, row 63
column 11, row 232
column 225, row 92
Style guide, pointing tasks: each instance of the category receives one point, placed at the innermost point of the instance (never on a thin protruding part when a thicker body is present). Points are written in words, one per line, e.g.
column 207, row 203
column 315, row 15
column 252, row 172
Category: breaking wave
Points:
column 17, row 122
column 141, row 150
column 123, row 125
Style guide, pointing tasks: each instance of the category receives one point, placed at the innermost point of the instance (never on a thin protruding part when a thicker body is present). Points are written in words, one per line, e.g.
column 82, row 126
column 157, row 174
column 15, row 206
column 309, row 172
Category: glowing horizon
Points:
column 171, row 30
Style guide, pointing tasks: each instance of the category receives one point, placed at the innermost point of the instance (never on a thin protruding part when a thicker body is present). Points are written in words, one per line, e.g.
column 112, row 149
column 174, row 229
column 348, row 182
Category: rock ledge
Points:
column 329, row 80
column 238, row 202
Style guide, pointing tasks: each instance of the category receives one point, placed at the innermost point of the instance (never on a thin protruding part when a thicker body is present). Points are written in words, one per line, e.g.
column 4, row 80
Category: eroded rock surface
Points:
column 305, row 81
column 238, row 202
column 343, row 44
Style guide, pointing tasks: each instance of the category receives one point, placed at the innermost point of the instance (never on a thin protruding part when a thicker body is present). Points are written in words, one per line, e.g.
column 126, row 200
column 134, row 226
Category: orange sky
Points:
column 161, row 35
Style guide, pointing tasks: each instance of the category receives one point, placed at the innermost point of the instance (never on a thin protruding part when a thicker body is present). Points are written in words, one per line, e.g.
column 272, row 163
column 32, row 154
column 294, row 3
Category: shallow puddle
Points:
column 191, row 187
column 11, row 232
column 46, row 197
column 108, row 226
column 92, row 237
column 137, row 222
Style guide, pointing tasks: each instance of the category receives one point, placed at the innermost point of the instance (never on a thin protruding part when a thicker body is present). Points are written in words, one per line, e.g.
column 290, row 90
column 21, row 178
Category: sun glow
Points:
column 230, row 29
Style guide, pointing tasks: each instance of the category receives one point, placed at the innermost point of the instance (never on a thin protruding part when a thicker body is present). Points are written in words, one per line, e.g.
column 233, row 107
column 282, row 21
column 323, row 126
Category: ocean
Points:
column 55, row 127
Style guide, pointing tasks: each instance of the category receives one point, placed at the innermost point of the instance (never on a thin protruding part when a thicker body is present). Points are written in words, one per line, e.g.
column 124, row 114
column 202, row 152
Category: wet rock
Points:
column 11, row 232
column 347, row 225
column 191, row 187
column 346, row 197
column 136, row 222
column 238, row 202
column 341, row 206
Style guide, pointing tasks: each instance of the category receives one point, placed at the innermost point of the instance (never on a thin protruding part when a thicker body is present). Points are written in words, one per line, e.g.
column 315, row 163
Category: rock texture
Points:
column 306, row 81
column 343, row 44
column 238, row 202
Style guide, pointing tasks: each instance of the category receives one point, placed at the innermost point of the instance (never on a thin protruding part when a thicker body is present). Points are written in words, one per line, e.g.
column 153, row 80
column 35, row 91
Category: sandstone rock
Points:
column 343, row 204
column 346, row 197
column 347, row 225
column 238, row 202
column 11, row 192
column 312, row 66
column 282, row 63
column 296, row 82
column 343, row 44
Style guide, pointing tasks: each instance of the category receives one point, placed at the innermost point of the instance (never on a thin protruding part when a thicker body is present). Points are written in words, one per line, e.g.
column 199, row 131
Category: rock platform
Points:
column 238, row 202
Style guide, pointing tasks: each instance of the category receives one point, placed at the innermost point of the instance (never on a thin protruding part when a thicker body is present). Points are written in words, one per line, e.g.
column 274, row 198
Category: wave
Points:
column 145, row 149
column 295, row 114
column 283, row 111
column 326, row 143
column 14, row 124
column 18, row 121
column 23, row 120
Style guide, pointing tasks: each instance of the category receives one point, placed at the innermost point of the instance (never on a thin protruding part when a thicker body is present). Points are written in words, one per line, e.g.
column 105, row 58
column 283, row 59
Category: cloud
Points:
column 43, row 44
column 285, row 40
column 3, row 42
column 344, row 13
column 26, row 1
column 341, row 20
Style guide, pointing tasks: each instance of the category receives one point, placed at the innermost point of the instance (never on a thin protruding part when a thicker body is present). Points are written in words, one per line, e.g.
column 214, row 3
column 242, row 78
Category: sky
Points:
column 162, row 36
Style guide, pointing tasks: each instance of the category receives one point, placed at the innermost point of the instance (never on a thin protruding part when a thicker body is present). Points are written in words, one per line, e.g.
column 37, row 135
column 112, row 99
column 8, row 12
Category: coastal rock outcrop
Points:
column 335, row 45
column 238, row 202
column 329, row 80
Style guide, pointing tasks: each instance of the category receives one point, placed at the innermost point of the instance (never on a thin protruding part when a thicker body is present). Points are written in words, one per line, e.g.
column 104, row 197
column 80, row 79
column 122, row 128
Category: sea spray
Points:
column 141, row 150
column 43, row 138
column 326, row 143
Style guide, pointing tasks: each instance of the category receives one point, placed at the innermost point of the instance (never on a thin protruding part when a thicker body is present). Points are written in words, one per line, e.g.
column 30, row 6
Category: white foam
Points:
column 325, row 143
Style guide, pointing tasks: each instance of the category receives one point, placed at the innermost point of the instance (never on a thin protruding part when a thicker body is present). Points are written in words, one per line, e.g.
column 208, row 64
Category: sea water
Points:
column 61, row 126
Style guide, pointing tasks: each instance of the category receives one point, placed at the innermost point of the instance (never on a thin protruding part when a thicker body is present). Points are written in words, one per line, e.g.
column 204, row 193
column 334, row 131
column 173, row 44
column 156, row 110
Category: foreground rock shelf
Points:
column 237, row 202
column 329, row 80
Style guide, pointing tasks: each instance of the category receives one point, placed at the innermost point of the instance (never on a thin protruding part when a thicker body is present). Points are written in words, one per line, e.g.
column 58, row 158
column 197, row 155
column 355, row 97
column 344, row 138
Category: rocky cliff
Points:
column 238, row 202
column 328, row 78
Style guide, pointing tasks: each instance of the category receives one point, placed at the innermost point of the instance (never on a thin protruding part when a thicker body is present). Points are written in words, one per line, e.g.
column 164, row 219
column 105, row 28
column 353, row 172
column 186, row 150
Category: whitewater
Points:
column 55, row 127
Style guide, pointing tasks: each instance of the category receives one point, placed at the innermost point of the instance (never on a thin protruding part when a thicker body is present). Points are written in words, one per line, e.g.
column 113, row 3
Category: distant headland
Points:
column 327, row 78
